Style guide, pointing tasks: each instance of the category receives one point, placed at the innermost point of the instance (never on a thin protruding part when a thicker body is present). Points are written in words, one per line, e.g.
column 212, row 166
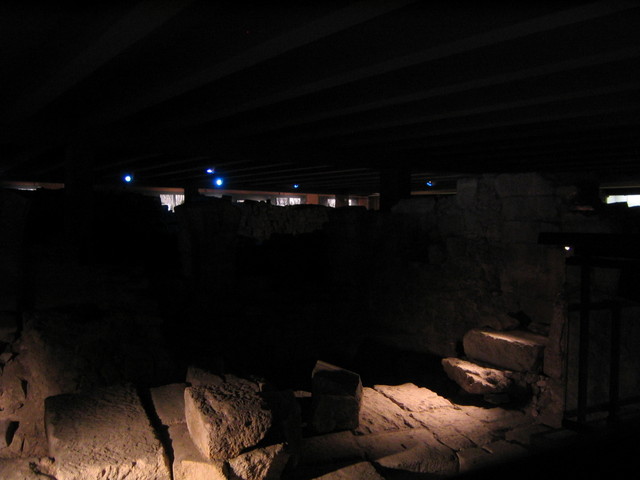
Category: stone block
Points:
column 225, row 419
column 357, row 471
column 517, row 350
column 168, row 401
column 188, row 462
column 330, row 449
column 379, row 414
column 266, row 463
column 337, row 397
column 102, row 434
column 412, row 398
column 474, row 378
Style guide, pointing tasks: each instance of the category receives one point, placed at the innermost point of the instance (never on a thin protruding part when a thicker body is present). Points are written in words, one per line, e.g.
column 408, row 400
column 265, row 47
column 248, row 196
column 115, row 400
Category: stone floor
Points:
column 410, row 432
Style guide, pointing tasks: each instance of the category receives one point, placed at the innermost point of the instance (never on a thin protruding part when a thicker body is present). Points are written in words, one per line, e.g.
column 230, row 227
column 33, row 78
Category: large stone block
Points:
column 188, row 462
column 337, row 397
column 103, row 434
column 168, row 401
column 474, row 378
column 517, row 350
column 225, row 419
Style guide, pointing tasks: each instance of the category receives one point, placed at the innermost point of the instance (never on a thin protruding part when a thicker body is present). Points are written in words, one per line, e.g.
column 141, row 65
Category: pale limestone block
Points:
column 102, row 434
column 168, row 401
column 224, row 420
column 517, row 350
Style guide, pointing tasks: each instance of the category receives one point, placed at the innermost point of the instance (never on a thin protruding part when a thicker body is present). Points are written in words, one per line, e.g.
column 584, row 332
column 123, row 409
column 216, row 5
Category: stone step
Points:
column 516, row 350
column 476, row 379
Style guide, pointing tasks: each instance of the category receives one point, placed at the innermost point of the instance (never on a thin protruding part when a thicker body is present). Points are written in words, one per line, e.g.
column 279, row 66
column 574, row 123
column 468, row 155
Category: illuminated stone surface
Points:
column 378, row 414
column 421, row 458
column 223, row 420
column 261, row 463
column 188, row 462
column 358, row 471
column 103, row 434
column 412, row 398
column 337, row 396
column 168, row 401
column 474, row 378
column 515, row 350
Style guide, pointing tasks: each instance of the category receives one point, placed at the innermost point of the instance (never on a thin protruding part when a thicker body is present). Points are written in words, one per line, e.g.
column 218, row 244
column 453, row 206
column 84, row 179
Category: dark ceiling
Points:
column 323, row 94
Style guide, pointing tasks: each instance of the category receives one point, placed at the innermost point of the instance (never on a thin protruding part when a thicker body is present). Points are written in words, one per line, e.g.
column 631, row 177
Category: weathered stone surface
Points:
column 26, row 468
column 330, row 448
column 265, row 463
column 412, row 398
column 379, row 414
column 188, row 462
column 103, row 434
column 421, row 458
column 504, row 451
column 515, row 350
column 382, row 445
column 357, row 471
column 337, row 396
column 223, row 420
column 70, row 350
column 474, row 378
column 453, row 428
column 168, row 401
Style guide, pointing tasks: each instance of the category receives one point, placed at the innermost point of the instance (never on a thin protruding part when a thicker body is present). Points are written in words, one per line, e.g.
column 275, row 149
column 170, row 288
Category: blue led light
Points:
column 128, row 178
column 218, row 182
column 210, row 170
column 296, row 185
column 429, row 183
